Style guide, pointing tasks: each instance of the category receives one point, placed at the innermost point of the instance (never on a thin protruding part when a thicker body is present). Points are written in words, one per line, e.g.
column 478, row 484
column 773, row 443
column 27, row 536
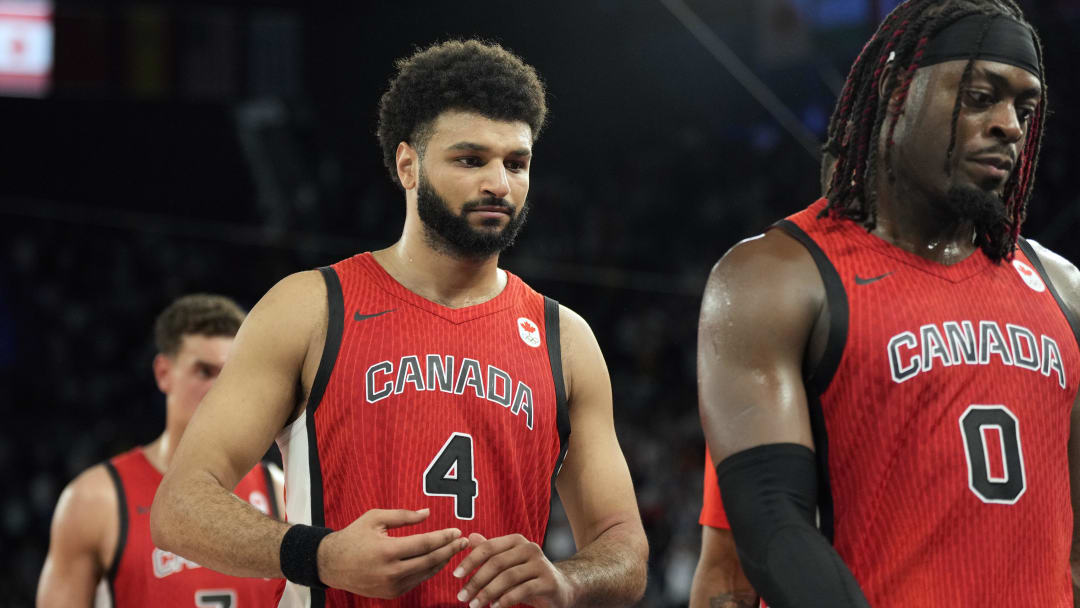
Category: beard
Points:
column 451, row 233
column 987, row 213
column 985, row 210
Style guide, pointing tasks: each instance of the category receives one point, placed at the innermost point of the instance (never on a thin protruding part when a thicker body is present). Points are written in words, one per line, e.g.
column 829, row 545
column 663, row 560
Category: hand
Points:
column 363, row 559
column 511, row 570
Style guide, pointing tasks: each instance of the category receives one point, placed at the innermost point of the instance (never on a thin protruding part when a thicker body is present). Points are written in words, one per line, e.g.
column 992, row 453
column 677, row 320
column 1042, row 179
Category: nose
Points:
column 1004, row 123
column 495, row 182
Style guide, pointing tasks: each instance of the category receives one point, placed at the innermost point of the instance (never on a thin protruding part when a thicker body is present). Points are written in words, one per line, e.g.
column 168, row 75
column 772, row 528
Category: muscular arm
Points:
column 719, row 581
column 236, row 422
column 1066, row 280
column 276, row 352
column 82, row 539
column 594, row 485
column 758, row 314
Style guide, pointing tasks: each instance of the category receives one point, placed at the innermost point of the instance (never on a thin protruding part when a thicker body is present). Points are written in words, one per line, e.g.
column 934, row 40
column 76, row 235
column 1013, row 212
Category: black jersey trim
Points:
column 562, row 410
column 335, row 328
column 818, row 379
column 821, row 448
column 265, row 466
column 1070, row 316
column 121, row 541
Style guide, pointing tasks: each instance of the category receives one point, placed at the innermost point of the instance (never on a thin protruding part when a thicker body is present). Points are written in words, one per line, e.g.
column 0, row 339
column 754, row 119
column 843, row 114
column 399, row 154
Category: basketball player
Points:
column 423, row 398
column 896, row 355
column 101, row 528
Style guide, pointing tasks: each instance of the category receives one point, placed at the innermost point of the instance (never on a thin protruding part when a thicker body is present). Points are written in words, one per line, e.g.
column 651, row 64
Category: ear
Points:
column 408, row 165
column 886, row 76
column 162, row 366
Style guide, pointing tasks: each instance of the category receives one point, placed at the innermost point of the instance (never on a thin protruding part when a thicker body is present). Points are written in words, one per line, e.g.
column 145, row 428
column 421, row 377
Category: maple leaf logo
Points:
column 1024, row 269
column 528, row 327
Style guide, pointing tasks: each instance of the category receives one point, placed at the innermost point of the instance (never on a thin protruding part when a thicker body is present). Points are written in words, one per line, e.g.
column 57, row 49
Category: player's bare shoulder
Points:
column 1063, row 274
column 764, row 274
column 304, row 293
column 290, row 320
column 87, row 513
column 581, row 355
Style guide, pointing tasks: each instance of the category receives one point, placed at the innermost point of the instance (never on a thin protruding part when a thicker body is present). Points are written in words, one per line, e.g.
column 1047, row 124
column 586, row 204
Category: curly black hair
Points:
column 862, row 116
column 465, row 75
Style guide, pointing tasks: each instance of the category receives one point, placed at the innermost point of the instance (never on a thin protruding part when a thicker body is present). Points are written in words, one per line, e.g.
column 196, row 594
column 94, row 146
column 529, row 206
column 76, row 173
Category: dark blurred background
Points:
column 152, row 149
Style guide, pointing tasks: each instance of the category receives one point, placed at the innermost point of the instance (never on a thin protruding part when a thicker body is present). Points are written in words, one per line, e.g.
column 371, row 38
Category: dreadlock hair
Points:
column 856, row 124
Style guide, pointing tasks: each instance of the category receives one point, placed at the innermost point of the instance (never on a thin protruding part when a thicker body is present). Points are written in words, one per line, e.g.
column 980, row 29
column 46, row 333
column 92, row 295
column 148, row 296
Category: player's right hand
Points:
column 363, row 559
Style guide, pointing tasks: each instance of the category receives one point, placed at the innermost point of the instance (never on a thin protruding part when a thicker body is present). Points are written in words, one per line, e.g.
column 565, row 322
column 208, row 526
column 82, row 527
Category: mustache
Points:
column 488, row 202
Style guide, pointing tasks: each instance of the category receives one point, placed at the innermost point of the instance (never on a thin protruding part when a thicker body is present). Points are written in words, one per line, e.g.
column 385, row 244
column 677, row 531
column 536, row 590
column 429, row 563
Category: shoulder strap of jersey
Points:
column 1029, row 251
column 335, row 327
column 818, row 379
column 121, row 501
column 554, row 348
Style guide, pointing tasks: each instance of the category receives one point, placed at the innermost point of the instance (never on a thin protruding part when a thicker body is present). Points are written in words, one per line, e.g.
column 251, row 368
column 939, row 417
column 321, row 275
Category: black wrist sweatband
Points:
column 299, row 555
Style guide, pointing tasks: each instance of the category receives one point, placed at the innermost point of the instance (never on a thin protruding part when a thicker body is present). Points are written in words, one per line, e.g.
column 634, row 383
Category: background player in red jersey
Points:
column 839, row 363
column 333, row 357
column 101, row 528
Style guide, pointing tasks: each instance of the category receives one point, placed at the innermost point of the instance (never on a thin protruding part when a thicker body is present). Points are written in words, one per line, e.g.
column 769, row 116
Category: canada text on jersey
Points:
column 957, row 342
column 441, row 374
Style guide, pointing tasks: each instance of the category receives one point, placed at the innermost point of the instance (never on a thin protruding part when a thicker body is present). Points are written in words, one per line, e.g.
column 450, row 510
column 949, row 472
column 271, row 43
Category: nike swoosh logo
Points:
column 861, row 281
column 359, row 317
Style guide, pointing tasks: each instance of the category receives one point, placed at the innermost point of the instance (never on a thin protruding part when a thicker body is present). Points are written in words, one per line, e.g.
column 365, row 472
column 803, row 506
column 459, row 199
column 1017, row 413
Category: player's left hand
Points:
column 511, row 570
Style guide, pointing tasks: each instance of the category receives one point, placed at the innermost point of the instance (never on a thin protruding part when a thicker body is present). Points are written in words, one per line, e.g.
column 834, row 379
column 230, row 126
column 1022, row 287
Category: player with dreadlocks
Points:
column 896, row 359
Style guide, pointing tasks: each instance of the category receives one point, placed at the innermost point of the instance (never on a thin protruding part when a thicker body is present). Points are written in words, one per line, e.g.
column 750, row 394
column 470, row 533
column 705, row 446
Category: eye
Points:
column 1024, row 115
column 469, row 161
column 979, row 99
column 515, row 166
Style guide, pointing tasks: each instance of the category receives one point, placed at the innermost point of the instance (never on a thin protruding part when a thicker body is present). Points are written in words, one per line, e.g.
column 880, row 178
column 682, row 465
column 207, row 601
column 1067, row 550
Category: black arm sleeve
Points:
column 770, row 497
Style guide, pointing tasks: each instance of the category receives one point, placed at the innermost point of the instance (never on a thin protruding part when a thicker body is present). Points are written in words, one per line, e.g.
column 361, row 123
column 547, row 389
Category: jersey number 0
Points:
column 451, row 474
column 978, row 424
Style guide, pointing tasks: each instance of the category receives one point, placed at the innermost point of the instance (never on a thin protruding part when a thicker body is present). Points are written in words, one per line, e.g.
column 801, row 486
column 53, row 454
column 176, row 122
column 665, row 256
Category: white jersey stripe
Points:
column 293, row 443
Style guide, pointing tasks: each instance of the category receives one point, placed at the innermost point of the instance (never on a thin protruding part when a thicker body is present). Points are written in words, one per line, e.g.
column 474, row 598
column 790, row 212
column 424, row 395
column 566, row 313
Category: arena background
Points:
column 162, row 148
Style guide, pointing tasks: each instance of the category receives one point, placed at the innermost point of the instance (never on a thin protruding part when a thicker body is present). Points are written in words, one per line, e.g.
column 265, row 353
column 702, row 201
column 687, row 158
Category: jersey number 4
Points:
column 451, row 474
column 995, row 460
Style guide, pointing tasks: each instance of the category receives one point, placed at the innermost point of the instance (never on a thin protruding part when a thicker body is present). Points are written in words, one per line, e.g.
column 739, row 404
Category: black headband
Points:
column 1007, row 41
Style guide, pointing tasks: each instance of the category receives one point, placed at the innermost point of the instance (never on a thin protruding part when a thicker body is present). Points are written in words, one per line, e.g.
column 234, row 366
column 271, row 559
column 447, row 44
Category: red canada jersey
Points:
column 941, row 415
column 418, row 405
column 143, row 575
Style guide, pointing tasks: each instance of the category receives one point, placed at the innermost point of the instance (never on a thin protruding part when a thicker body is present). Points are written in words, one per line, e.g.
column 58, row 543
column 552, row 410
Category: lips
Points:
column 994, row 166
column 998, row 162
column 491, row 209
